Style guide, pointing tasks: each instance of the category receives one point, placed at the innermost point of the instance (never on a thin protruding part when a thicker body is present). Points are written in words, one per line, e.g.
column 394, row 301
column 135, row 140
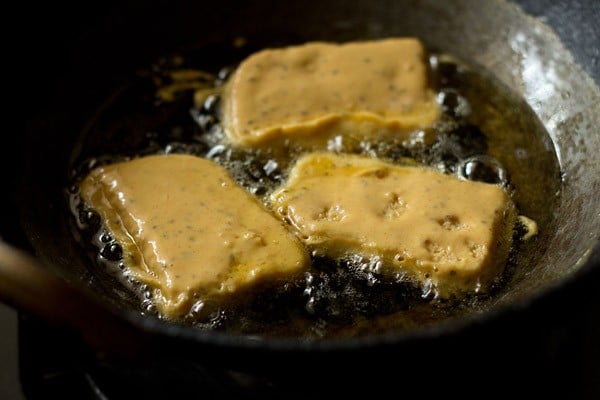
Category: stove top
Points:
column 51, row 363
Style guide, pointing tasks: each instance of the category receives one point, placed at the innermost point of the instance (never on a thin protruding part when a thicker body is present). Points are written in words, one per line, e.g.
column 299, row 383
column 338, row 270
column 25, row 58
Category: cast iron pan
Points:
column 74, row 64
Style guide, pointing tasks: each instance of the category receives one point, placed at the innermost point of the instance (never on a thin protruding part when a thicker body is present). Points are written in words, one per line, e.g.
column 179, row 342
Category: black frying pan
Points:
column 84, row 60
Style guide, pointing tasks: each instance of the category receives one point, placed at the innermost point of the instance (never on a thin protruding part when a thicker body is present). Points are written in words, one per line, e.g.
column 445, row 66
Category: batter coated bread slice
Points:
column 189, row 232
column 310, row 93
column 452, row 233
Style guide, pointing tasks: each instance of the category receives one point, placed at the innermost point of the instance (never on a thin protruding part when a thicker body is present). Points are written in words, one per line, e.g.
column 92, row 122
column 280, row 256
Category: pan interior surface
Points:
column 519, row 65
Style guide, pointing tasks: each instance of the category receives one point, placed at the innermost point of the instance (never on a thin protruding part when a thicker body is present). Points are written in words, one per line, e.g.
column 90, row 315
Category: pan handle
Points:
column 28, row 287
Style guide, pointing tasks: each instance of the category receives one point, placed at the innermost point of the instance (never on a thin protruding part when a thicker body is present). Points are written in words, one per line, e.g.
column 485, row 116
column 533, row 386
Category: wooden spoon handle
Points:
column 27, row 286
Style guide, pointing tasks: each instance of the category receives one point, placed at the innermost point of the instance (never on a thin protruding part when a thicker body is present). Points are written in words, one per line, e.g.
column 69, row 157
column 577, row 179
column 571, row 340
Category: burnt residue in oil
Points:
column 485, row 133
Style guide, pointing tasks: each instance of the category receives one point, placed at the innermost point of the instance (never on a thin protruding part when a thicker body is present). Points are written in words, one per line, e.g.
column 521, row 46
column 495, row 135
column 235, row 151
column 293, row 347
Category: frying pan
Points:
column 547, row 52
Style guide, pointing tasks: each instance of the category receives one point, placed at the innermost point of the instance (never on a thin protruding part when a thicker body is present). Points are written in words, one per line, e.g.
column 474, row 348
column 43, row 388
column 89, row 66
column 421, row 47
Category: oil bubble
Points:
column 112, row 252
column 483, row 168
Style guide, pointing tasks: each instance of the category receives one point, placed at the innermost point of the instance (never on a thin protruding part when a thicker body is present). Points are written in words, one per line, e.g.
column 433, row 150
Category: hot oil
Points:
column 486, row 133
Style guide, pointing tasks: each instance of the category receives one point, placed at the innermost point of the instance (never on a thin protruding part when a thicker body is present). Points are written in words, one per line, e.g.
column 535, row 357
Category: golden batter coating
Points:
column 188, row 231
column 453, row 233
column 310, row 93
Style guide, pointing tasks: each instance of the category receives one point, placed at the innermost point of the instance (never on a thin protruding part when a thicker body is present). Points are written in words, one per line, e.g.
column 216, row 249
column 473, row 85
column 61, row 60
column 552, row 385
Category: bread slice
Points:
column 438, row 229
column 311, row 93
column 189, row 232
